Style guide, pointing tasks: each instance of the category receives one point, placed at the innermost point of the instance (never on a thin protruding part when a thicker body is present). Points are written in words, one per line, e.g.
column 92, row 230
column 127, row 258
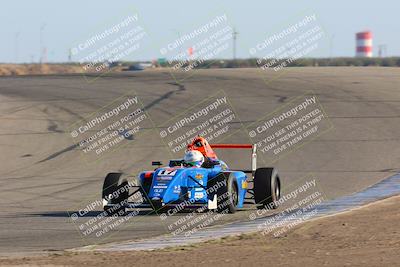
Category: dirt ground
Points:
column 369, row 236
column 29, row 69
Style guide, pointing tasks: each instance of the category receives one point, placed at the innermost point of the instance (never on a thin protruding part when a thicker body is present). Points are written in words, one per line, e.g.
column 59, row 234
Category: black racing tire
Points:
column 146, row 186
column 267, row 188
column 227, row 193
column 115, row 191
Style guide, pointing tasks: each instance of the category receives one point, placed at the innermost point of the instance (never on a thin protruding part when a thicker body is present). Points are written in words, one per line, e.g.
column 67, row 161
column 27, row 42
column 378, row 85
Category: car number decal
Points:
column 167, row 172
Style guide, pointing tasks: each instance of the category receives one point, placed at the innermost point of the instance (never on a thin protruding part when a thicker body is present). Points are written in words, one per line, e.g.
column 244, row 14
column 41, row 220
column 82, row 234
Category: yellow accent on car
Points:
column 244, row 184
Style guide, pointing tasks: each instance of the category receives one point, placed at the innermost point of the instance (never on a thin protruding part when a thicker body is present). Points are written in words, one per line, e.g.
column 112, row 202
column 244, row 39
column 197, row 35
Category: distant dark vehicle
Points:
column 114, row 64
column 135, row 67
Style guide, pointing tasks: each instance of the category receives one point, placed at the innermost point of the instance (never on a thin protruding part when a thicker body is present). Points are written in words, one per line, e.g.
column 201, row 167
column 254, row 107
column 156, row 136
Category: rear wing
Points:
column 253, row 148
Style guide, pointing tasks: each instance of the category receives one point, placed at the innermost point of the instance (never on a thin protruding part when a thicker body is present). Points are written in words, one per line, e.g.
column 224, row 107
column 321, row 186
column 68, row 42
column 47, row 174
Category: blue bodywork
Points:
column 175, row 184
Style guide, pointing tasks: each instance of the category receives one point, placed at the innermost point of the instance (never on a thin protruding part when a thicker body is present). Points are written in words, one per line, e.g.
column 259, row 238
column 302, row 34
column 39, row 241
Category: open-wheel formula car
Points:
column 180, row 185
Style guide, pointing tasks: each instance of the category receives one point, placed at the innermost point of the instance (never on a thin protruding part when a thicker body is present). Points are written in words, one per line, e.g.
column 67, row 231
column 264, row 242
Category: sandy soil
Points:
column 368, row 236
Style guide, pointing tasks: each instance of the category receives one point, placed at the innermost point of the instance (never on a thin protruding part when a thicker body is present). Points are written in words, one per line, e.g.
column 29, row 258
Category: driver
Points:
column 193, row 158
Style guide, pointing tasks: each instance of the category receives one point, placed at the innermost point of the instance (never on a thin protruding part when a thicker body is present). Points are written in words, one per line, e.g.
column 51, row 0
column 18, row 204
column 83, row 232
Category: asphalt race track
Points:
column 44, row 178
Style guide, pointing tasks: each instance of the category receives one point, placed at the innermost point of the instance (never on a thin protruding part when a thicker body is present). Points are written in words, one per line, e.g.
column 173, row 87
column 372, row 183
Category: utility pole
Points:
column 70, row 55
column 382, row 52
column 234, row 34
column 331, row 47
column 41, row 49
column 16, row 47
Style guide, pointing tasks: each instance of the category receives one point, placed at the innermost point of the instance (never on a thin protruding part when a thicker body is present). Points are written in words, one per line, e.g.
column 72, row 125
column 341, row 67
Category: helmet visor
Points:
column 194, row 163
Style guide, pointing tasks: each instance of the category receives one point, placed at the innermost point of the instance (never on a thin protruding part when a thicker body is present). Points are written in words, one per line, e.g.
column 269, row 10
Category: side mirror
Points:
column 156, row 163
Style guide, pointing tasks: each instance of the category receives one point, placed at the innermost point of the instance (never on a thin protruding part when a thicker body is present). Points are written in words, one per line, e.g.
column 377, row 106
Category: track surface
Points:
column 43, row 178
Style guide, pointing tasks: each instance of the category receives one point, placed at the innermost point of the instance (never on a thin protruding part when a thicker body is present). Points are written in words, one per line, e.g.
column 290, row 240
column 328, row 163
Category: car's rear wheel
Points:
column 115, row 194
column 267, row 188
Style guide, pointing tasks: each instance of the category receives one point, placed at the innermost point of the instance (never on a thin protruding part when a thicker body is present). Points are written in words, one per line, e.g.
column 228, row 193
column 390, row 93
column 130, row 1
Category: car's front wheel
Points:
column 227, row 192
column 115, row 194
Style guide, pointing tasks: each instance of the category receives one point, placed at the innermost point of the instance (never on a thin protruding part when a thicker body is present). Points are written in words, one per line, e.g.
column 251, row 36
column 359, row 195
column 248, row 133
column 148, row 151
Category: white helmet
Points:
column 193, row 158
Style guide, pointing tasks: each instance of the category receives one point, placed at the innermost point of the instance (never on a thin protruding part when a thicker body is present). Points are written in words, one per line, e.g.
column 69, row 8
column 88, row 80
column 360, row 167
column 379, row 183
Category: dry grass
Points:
column 29, row 69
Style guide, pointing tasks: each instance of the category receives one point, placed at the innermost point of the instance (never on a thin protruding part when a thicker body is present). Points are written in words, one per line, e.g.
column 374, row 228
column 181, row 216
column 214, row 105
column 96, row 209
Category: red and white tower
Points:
column 364, row 44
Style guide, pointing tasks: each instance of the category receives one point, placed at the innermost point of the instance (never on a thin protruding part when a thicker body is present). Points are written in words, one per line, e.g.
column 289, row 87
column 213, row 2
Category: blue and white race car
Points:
column 210, row 185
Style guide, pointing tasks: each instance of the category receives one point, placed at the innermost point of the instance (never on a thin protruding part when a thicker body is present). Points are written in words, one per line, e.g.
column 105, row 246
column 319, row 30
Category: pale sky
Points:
column 64, row 22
